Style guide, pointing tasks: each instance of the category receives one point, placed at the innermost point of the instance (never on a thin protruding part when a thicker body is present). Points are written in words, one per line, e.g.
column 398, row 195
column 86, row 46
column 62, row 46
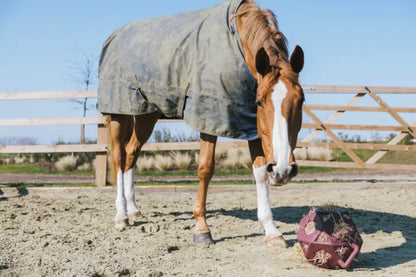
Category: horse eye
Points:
column 259, row 103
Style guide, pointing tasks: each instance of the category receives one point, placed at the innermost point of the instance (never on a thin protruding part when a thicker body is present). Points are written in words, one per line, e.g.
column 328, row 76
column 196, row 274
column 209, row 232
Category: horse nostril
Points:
column 293, row 171
column 269, row 167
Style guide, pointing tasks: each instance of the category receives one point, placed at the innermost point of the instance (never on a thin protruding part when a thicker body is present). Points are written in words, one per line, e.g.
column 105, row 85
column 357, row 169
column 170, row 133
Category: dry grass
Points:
column 7, row 161
column 66, row 163
column 181, row 160
column 163, row 163
column 18, row 160
column 145, row 163
column 301, row 154
column 94, row 164
column 196, row 157
column 85, row 166
column 319, row 154
column 236, row 159
column 220, row 155
column 313, row 154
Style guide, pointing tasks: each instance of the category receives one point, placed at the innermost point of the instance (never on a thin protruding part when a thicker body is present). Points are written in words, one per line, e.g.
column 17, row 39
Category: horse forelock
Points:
column 261, row 30
column 286, row 71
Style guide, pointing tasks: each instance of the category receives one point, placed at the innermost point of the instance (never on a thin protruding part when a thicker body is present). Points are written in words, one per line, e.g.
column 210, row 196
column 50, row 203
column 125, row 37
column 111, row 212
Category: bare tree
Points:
column 85, row 75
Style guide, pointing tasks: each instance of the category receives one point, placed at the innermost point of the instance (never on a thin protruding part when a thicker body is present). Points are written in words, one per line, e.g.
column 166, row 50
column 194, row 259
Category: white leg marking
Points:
column 264, row 212
column 120, row 200
column 128, row 178
column 281, row 147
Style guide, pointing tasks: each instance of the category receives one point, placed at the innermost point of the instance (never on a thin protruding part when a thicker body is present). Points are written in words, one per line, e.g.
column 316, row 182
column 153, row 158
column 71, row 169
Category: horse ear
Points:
column 262, row 62
column 297, row 59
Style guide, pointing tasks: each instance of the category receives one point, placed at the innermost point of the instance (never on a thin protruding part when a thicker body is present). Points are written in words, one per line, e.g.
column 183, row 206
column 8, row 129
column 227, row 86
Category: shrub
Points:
column 220, row 155
column 9, row 160
column 19, row 160
column 236, row 159
column 163, row 163
column 145, row 163
column 301, row 154
column 85, row 166
column 66, row 163
column 182, row 161
column 319, row 154
column 245, row 159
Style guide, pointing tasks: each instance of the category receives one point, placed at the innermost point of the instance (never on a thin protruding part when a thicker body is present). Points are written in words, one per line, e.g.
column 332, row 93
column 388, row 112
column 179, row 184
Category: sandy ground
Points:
column 69, row 231
column 359, row 175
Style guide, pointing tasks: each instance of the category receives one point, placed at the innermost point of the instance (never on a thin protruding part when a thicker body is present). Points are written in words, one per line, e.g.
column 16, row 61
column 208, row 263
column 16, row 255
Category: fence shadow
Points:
column 368, row 222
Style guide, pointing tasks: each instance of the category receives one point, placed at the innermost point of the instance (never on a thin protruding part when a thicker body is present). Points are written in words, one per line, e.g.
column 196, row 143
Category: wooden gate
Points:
column 319, row 125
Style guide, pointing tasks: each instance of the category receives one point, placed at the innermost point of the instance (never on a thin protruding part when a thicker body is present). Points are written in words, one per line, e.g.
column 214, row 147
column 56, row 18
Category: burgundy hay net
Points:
column 329, row 238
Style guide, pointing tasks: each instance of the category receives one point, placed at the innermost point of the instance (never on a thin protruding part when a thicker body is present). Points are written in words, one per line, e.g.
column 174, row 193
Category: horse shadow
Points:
column 368, row 223
column 21, row 192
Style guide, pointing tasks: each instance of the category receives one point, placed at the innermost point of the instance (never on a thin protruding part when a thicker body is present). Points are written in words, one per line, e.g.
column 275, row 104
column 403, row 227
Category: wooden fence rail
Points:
column 319, row 125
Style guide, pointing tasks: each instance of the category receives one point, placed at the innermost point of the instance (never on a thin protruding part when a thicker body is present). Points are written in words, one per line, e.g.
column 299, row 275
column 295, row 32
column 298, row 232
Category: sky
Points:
column 354, row 42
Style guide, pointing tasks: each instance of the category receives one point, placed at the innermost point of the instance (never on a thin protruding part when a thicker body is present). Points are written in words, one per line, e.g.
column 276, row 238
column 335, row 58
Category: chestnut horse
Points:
column 279, row 101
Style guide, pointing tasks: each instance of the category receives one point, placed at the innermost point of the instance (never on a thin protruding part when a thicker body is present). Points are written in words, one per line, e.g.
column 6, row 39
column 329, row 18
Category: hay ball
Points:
column 329, row 238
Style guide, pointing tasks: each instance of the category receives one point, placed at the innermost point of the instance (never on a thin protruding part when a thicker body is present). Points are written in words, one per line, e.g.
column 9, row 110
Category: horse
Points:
column 269, row 78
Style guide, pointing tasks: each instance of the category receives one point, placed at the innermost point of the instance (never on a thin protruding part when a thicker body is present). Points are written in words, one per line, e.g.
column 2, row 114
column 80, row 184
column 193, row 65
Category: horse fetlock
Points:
column 199, row 212
column 275, row 240
column 121, row 224
column 135, row 216
column 132, row 208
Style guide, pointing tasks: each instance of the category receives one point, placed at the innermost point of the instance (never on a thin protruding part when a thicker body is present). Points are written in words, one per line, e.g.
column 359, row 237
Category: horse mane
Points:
column 261, row 31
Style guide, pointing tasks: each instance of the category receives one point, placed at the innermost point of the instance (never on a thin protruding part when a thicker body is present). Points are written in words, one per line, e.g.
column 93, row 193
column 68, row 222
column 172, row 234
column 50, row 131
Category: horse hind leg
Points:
column 206, row 167
column 143, row 127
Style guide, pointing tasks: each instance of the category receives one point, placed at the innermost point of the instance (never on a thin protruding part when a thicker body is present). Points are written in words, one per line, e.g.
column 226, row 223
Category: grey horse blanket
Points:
column 189, row 65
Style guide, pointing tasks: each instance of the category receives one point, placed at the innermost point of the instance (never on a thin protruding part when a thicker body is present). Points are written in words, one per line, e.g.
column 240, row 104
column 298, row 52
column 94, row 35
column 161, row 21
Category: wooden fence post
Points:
column 101, row 158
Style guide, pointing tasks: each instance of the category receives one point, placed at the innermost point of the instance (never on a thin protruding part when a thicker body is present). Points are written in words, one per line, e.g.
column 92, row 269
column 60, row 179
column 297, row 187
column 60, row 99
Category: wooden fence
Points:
column 318, row 125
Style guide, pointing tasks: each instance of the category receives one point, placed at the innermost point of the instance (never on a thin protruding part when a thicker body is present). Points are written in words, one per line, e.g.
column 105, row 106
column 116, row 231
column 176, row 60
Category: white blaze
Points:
column 281, row 147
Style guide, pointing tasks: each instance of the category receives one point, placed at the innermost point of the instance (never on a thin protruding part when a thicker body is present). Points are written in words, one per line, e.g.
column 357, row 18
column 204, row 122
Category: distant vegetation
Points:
column 228, row 162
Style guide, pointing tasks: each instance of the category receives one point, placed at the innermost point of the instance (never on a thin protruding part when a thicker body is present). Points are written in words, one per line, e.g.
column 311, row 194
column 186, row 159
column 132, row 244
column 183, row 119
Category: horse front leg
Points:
column 206, row 168
column 119, row 131
column 143, row 127
column 128, row 135
column 264, row 212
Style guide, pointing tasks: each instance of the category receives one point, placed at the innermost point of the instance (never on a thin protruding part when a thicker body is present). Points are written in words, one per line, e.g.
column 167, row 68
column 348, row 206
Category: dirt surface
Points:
column 359, row 175
column 69, row 231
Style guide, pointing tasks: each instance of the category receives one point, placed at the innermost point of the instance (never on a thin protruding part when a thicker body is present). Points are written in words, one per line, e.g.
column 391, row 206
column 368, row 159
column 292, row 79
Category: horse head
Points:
column 279, row 115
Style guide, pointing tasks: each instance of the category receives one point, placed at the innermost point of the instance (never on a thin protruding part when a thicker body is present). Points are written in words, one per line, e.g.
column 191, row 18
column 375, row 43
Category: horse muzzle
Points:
column 274, row 178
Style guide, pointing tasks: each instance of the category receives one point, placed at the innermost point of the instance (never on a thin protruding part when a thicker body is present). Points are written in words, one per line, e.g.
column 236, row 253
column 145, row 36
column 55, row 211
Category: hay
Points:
column 322, row 238
column 343, row 232
column 341, row 251
column 310, row 227
column 330, row 207
column 321, row 258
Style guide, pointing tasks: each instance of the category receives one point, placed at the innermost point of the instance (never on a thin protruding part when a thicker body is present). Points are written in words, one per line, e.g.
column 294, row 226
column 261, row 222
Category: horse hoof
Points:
column 203, row 238
column 121, row 224
column 135, row 216
column 276, row 241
